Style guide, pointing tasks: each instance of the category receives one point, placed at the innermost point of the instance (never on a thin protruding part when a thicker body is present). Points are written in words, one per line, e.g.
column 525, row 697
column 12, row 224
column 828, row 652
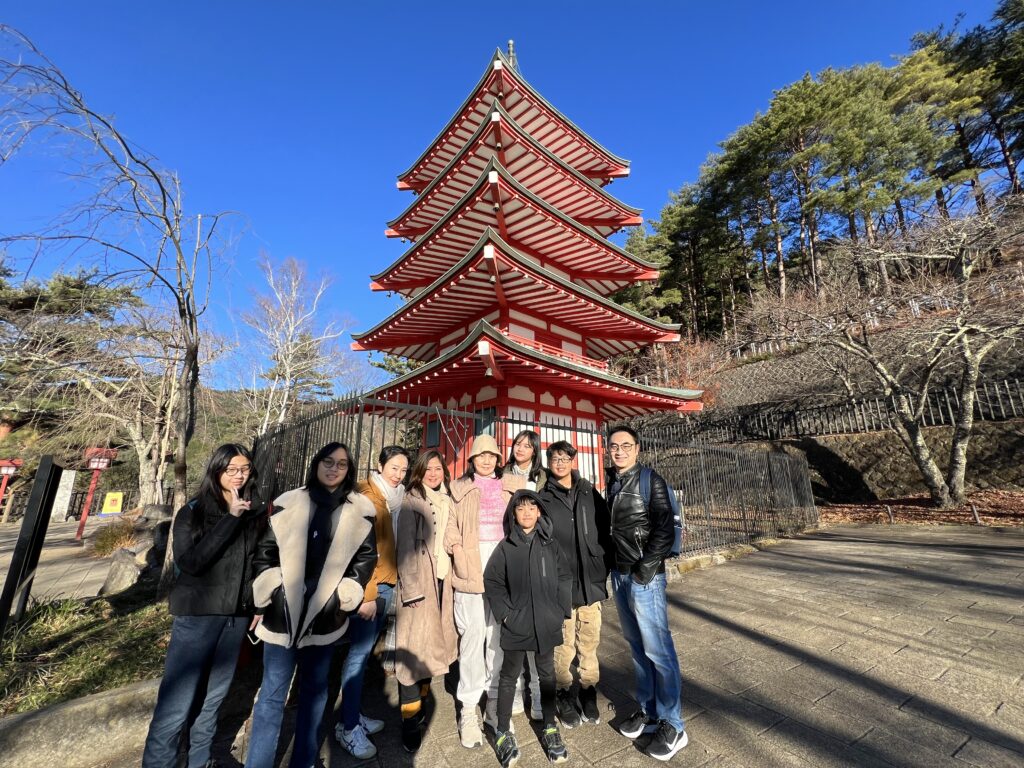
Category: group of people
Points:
column 503, row 569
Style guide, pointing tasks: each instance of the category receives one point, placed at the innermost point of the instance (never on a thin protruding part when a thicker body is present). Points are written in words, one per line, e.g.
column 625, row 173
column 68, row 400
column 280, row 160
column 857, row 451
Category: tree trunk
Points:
column 963, row 425
column 940, row 200
column 968, row 160
column 1004, row 147
column 773, row 212
column 883, row 271
column 911, row 434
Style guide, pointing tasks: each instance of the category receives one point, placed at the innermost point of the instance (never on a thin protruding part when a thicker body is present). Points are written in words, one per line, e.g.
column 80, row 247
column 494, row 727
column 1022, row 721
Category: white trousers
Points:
column 480, row 653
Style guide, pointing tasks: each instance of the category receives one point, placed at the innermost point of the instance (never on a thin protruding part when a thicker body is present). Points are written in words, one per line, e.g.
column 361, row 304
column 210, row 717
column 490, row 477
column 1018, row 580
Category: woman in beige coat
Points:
column 475, row 529
column 425, row 640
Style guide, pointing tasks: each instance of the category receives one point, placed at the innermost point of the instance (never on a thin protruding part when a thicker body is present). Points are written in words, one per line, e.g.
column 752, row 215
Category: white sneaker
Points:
column 469, row 731
column 355, row 742
column 371, row 725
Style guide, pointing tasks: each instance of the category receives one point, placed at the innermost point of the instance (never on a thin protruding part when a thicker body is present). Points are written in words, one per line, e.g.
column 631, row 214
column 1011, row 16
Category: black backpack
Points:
column 677, row 515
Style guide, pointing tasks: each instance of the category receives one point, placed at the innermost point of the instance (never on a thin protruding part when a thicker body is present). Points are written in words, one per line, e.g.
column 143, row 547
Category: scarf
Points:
column 441, row 503
column 393, row 497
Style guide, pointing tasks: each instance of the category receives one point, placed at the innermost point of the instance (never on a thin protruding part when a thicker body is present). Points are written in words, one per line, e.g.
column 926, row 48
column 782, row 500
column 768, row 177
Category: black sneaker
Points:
column 412, row 734
column 506, row 748
column 567, row 709
column 554, row 747
column 666, row 742
column 588, row 703
column 636, row 724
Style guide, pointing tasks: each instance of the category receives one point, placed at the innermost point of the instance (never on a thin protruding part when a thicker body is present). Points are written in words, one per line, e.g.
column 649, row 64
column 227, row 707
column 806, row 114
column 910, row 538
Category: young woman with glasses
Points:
column 214, row 537
column 311, row 567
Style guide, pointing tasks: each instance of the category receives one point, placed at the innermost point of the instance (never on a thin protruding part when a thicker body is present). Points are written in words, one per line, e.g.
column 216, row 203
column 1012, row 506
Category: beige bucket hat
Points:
column 484, row 444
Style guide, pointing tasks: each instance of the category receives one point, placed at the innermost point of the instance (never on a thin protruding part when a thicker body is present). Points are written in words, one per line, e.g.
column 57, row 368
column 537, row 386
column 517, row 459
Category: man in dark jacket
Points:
column 643, row 530
column 528, row 588
column 583, row 531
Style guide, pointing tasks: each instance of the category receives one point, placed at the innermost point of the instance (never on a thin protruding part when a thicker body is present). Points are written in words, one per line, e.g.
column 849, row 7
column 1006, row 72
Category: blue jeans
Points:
column 643, row 615
column 314, row 664
column 361, row 635
column 201, row 647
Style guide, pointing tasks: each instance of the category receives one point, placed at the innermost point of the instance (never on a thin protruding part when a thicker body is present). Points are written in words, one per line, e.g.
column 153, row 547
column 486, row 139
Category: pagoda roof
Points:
column 487, row 356
column 493, row 275
column 532, row 111
column 534, row 227
column 531, row 164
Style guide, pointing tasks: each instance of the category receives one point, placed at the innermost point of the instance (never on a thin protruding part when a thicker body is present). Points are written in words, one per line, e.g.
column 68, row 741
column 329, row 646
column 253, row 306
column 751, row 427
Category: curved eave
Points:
column 658, row 332
column 627, row 214
column 498, row 66
column 632, row 398
column 638, row 269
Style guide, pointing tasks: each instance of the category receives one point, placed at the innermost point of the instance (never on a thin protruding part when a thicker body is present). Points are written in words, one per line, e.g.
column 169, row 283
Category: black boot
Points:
column 412, row 732
column 566, row 708
column 588, row 703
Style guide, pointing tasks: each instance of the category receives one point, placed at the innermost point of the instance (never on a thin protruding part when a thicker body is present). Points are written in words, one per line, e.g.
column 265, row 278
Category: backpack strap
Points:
column 645, row 486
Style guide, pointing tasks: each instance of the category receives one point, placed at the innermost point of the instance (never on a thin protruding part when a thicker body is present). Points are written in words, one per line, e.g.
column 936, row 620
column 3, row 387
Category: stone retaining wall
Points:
column 876, row 465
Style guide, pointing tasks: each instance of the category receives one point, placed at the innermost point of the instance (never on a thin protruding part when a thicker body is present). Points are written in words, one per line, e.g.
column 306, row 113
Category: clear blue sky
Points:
column 300, row 115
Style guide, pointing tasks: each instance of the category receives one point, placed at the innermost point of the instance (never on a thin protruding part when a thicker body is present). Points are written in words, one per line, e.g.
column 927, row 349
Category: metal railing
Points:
column 727, row 496
column 996, row 400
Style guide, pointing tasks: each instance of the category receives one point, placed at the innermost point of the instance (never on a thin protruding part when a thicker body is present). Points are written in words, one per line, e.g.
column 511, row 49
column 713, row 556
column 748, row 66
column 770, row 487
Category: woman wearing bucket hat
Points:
column 475, row 528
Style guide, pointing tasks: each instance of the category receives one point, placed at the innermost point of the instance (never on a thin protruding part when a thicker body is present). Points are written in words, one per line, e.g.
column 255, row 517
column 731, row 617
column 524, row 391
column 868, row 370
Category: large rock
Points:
column 80, row 733
column 123, row 573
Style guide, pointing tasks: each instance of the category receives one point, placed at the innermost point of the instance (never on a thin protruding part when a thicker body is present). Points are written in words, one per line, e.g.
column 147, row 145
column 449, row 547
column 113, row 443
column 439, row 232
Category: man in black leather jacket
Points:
column 643, row 531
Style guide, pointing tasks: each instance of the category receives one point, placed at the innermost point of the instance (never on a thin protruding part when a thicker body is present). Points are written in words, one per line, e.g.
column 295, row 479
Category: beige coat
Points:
column 425, row 639
column 462, row 539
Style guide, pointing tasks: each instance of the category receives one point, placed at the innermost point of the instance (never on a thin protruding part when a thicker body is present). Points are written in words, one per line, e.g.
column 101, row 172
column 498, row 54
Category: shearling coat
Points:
column 280, row 567
column 426, row 642
column 462, row 539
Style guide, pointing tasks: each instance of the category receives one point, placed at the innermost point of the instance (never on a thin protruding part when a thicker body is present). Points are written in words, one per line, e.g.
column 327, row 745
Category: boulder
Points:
column 123, row 573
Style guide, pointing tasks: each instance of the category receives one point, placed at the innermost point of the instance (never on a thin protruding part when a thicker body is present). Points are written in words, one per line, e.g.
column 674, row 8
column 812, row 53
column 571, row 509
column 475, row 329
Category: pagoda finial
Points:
column 512, row 55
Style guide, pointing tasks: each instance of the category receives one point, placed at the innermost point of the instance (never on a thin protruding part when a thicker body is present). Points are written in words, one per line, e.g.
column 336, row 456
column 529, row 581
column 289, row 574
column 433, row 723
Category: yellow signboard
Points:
column 112, row 503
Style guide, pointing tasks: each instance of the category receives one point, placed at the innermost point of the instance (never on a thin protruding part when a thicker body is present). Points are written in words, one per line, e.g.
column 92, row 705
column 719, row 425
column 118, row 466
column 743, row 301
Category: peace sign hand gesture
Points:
column 238, row 504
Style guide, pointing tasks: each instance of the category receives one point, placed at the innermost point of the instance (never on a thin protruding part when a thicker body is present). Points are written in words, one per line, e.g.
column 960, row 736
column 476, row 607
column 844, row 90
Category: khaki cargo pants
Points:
column 581, row 634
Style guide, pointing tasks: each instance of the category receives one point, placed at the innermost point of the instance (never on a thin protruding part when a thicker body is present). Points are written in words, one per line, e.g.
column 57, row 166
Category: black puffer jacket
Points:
column 528, row 585
column 643, row 534
column 213, row 552
column 582, row 528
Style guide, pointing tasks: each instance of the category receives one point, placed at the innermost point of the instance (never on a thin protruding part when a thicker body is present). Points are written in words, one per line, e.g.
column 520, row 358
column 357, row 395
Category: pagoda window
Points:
column 518, row 420
column 484, row 421
column 555, row 427
column 433, row 437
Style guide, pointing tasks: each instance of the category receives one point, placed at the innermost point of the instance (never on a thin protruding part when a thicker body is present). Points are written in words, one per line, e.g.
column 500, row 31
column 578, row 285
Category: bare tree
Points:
column 134, row 227
column 960, row 300
column 297, row 347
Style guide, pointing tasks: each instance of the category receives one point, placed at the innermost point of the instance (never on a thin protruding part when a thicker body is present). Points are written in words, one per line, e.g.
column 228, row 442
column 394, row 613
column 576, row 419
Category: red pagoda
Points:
column 509, row 272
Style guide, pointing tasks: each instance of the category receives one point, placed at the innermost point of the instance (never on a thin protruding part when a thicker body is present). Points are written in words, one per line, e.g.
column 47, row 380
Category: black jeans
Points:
column 511, row 668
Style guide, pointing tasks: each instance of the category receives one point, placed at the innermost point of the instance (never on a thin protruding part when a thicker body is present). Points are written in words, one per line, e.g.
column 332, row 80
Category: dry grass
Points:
column 113, row 536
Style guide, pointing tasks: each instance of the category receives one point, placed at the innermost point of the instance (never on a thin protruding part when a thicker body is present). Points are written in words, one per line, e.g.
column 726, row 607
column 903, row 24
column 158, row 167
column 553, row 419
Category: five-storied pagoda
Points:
column 509, row 272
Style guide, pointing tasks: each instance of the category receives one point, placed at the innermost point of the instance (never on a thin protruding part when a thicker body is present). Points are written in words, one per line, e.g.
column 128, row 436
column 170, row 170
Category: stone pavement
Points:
column 66, row 569
column 851, row 646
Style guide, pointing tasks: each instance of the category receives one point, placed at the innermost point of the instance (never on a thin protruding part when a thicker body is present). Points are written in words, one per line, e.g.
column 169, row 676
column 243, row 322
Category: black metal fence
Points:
column 994, row 401
column 727, row 496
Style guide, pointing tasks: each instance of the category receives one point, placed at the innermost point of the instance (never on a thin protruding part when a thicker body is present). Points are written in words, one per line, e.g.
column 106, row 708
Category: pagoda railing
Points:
column 551, row 349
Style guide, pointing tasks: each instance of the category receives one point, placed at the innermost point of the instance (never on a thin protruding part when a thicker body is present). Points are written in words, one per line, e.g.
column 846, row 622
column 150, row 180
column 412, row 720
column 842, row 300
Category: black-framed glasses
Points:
column 624, row 447
column 329, row 463
column 560, row 460
column 235, row 471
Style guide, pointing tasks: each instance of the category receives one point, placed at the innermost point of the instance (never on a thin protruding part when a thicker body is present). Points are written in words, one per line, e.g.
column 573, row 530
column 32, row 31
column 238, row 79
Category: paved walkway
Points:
column 66, row 568
column 853, row 646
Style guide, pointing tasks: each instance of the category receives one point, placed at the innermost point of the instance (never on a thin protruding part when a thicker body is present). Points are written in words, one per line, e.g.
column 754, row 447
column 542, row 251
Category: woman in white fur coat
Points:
column 311, row 568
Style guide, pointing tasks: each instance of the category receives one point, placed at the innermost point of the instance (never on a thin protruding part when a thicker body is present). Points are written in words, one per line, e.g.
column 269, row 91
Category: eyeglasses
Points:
column 623, row 447
column 235, row 471
column 560, row 460
column 330, row 463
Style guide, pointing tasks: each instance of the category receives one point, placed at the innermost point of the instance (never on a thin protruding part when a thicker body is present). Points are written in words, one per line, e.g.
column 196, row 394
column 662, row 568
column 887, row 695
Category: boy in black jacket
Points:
column 528, row 588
